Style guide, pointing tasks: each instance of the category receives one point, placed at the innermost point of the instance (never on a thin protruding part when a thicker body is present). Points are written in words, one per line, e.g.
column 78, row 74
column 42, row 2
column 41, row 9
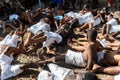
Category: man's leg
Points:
column 104, row 29
column 108, row 29
column 115, row 34
column 107, row 70
column 39, row 34
column 90, row 25
column 26, row 38
column 82, row 27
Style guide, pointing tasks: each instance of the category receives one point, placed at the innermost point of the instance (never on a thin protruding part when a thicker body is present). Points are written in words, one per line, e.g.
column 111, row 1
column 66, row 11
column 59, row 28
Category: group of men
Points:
column 98, row 50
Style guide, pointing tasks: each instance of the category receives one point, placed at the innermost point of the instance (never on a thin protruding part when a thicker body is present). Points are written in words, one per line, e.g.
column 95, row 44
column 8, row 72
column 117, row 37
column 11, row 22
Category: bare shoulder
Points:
column 90, row 45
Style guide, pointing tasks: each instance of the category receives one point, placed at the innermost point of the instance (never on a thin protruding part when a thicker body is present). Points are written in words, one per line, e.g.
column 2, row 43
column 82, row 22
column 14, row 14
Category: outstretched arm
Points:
column 78, row 48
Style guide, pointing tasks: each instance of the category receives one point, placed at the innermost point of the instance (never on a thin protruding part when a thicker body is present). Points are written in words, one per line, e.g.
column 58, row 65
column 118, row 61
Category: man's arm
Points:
column 91, row 56
column 78, row 48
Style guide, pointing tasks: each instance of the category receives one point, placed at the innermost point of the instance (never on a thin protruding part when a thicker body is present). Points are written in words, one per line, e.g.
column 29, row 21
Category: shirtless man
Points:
column 109, row 59
column 96, row 20
column 85, row 59
column 111, row 22
column 6, row 58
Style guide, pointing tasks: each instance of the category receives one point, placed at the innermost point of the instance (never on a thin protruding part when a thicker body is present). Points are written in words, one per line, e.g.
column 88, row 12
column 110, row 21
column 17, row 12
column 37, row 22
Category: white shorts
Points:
column 103, row 42
column 112, row 22
column 10, row 71
column 117, row 77
column 52, row 37
column 96, row 21
column 60, row 72
column 45, row 75
column 75, row 58
column 10, row 41
column 115, row 28
column 14, row 41
column 39, row 26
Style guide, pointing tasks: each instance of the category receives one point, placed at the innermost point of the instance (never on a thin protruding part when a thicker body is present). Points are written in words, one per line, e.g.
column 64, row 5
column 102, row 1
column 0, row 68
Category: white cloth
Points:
column 117, row 77
column 85, row 18
column 57, row 73
column 112, row 22
column 60, row 72
column 103, row 42
column 11, row 41
column 1, row 26
column 39, row 26
column 8, row 70
column 96, row 22
column 13, row 16
column 75, row 58
column 45, row 75
column 114, row 28
column 73, row 14
column 70, row 14
column 52, row 37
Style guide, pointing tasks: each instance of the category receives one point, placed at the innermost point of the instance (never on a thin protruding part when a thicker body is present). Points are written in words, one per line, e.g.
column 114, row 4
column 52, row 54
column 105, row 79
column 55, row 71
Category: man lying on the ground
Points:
column 108, row 26
column 107, row 41
column 47, row 38
column 6, row 58
column 81, row 59
column 97, row 19
column 6, row 25
column 43, row 25
column 110, row 60
column 57, row 73
column 60, row 73
column 11, row 39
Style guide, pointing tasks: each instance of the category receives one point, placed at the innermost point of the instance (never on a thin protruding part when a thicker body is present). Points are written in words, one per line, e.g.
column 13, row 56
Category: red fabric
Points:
column 110, row 2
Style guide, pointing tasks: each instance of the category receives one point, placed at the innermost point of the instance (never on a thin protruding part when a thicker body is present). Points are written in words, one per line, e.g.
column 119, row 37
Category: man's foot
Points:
column 52, row 60
column 51, row 52
column 96, row 68
column 77, row 29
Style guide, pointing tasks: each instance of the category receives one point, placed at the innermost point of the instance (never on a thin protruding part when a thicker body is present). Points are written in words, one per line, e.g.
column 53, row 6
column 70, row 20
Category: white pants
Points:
column 75, row 58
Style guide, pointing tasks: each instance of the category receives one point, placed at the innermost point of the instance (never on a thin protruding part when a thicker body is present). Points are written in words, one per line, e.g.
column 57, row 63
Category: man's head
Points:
column 91, row 35
column 47, row 20
column 110, row 17
column 82, row 76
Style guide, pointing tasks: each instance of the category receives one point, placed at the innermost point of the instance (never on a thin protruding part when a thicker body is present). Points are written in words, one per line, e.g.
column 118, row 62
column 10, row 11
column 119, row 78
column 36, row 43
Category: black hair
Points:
column 90, row 76
column 92, row 34
column 15, row 22
column 111, row 15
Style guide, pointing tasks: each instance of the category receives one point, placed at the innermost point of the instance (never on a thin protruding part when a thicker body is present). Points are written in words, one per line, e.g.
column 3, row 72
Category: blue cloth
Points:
column 58, row 17
column 57, row 1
